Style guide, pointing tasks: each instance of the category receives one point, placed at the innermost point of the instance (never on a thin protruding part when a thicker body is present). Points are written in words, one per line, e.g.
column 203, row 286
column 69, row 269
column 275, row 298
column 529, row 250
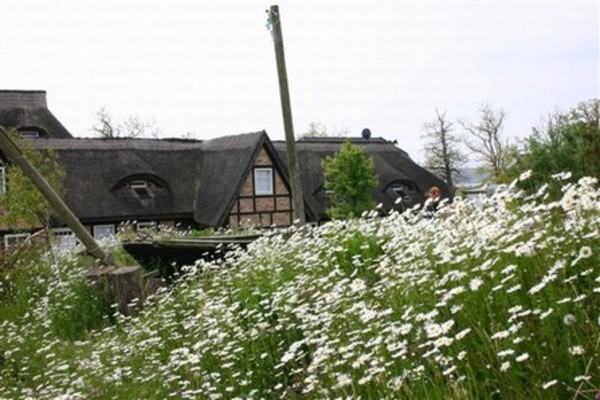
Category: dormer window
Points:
column 137, row 185
column 323, row 192
column 406, row 191
column 31, row 133
column 145, row 188
column 399, row 189
column 141, row 188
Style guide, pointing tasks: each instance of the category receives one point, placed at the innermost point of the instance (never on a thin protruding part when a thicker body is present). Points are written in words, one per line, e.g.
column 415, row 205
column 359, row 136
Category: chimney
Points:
column 23, row 98
column 366, row 134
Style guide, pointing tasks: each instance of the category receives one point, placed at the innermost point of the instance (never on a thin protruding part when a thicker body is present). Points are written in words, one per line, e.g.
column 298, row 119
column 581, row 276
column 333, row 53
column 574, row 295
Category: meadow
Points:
column 498, row 299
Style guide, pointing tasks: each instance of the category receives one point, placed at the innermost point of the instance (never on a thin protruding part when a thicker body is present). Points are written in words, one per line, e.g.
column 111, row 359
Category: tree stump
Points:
column 127, row 289
column 120, row 286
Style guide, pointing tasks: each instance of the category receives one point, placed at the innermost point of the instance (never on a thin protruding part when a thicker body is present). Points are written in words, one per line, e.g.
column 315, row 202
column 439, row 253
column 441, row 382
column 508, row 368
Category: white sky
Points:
column 208, row 67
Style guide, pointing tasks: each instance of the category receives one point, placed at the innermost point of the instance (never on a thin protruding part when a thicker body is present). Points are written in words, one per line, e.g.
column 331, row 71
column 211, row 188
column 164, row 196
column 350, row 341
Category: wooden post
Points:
column 127, row 288
column 122, row 287
column 12, row 151
column 290, row 141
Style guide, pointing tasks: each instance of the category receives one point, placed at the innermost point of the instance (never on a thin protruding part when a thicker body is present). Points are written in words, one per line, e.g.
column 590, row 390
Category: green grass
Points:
column 497, row 301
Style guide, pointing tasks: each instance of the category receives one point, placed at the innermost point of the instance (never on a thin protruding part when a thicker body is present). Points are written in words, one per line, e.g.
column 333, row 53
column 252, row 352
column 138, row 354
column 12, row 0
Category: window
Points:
column 64, row 239
column 323, row 192
column 143, row 189
column 263, row 181
column 145, row 226
column 29, row 134
column 103, row 231
column 14, row 239
column 404, row 191
column 2, row 178
column 399, row 189
column 136, row 185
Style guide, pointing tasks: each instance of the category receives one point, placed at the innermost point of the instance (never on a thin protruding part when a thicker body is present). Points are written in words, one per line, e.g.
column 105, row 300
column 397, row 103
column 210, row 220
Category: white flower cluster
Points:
column 371, row 308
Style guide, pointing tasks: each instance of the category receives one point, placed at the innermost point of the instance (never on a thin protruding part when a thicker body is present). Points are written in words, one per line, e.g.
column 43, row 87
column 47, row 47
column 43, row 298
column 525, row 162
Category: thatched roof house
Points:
column 27, row 111
column 399, row 176
column 223, row 182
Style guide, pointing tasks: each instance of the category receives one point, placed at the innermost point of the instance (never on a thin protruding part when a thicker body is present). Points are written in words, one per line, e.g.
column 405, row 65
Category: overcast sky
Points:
column 208, row 67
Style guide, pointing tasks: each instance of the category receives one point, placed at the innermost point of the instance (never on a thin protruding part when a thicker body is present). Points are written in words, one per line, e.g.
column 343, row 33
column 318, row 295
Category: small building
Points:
column 225, row 182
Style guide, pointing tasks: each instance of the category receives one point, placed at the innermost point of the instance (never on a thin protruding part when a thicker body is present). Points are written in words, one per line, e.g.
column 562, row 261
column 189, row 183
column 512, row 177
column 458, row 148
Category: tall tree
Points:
column 131, row 127
column 350, row 175
column 442, row 152
column 565, row 142
column 485, row 139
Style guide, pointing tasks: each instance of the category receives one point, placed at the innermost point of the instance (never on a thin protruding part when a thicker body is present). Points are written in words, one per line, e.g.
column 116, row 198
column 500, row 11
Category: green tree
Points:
column 443, row 155
column 565, row 142
column 350, row 175
column 25, row 207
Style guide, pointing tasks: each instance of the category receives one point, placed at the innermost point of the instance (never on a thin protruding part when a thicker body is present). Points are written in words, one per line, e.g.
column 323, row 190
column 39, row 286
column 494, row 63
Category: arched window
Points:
column 143, row 187
column 406, row 191
column 32, row 132
column 322, row 191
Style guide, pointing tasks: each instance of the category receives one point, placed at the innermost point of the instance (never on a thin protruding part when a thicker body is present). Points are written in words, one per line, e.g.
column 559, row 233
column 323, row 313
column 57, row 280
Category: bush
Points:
column 350, row 176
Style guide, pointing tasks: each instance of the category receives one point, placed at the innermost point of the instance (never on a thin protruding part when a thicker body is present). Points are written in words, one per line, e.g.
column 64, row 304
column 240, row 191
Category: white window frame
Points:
column 98, row 229
column 139, row 184
column 263, row 191
column 29, row 134
column 2, row 178
column 64, row 237
column 146, row 225
column 9, row 236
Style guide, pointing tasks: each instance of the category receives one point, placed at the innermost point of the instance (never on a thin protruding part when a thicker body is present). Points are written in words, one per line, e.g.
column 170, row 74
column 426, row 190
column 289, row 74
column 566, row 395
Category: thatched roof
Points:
column 392, row 165
column 225, row 164
column 202, row 179
column 191, row 178
column 98, row 171
column 22, row 109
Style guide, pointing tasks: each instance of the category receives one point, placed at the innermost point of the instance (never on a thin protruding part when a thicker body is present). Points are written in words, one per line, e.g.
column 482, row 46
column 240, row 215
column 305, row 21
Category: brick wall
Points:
column 264, row 210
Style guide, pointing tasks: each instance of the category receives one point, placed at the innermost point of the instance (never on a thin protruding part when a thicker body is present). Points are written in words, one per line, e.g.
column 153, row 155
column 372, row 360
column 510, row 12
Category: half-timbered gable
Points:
column 264, row 199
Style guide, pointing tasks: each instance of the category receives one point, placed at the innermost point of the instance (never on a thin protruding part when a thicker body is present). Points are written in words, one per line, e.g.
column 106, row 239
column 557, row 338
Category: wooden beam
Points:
column 290, row 141
column 12, row 151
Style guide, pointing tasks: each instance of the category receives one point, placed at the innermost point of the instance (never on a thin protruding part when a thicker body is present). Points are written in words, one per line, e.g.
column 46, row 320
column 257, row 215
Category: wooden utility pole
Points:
column 290, row 141
column 12, row 151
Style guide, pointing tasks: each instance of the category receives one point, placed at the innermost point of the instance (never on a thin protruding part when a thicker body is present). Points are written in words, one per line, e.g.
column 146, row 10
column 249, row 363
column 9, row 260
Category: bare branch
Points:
column 132, row 127
column 484, row 138
column 442, row 154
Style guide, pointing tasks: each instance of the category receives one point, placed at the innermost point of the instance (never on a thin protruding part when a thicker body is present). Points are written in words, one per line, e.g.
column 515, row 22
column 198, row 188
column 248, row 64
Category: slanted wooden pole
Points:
column 290, row 141
column 12, row 151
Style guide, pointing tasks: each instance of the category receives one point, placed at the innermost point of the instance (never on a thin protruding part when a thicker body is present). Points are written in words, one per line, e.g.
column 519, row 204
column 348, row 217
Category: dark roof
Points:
column 28, row 109
column 203, row 178
column 199, row 178
column 98, row 169
column 225, row 164
column 392, row 164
